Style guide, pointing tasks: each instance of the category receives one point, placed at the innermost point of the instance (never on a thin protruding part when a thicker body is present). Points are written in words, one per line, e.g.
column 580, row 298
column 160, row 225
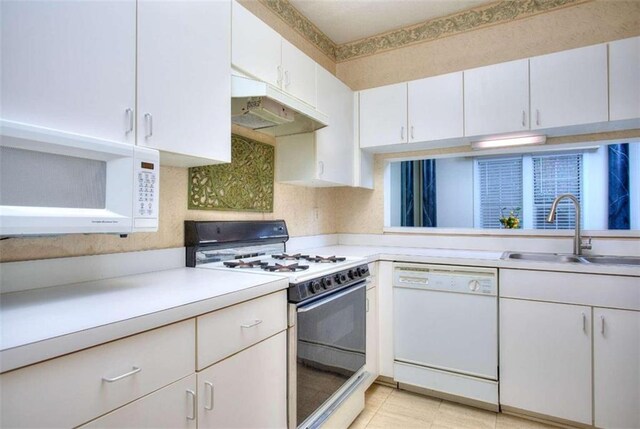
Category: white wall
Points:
column 454, row 192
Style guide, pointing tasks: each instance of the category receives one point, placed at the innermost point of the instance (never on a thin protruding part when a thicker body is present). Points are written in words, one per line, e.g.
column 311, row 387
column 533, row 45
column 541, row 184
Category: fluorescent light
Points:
column 510, row 141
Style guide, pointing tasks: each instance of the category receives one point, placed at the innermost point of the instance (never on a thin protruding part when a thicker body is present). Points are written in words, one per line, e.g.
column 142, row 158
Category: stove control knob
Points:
column 327, row 282
column 362, row 271
column 315, row 286
column 350, row 274
column 474, row 285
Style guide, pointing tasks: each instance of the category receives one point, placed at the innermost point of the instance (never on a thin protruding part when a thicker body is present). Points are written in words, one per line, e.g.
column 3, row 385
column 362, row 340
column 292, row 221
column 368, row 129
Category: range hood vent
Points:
column 263, row 107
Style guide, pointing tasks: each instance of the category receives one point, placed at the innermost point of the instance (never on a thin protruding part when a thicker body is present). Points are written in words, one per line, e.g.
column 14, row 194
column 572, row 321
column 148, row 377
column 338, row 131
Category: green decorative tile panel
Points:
column 246, row 184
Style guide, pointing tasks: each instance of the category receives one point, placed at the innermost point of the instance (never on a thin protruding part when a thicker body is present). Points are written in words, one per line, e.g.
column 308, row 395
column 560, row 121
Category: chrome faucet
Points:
column 577, row 241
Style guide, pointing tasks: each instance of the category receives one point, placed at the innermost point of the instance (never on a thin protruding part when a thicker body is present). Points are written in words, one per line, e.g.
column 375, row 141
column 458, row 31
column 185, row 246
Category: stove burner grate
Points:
column 287, row 257
column 324, row 260
column 245, row 264
column 279, row 268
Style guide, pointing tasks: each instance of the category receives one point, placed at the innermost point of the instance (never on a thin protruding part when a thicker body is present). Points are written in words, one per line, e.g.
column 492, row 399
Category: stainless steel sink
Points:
column 564, row 258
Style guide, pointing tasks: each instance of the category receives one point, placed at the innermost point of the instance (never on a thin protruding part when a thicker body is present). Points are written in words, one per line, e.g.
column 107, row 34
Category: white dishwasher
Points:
column 446, row 330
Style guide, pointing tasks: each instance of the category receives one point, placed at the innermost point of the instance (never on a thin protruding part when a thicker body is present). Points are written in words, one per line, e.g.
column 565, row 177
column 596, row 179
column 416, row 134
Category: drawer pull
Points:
column 135, row 370
column 209, row 385
column 251, row 325
column 191, row 394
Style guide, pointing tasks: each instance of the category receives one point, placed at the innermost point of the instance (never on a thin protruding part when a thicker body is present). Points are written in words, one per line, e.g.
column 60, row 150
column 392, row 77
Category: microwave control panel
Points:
column 146, row 190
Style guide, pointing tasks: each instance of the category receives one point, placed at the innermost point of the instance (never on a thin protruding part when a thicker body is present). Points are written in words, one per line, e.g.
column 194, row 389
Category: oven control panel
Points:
column 302, row 291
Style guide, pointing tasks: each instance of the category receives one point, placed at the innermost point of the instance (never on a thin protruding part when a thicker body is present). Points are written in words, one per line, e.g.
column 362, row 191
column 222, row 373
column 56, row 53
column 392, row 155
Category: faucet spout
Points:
column 577, row 241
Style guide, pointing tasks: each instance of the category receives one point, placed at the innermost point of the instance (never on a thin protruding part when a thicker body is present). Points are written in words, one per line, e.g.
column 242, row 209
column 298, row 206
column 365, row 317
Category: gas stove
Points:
column 260, row 247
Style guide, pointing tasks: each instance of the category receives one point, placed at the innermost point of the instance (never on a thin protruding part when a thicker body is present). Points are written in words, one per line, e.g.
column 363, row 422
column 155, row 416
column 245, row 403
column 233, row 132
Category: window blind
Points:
column 554, row 175
column 500, row 182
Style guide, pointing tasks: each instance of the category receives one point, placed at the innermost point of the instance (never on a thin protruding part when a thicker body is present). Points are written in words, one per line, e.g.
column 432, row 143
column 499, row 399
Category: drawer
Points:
column 227, row 331
column 165, row 408
column 76, row 388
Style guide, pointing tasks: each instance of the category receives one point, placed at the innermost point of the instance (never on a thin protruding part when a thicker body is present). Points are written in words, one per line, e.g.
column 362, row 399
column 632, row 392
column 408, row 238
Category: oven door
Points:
column 330, row 344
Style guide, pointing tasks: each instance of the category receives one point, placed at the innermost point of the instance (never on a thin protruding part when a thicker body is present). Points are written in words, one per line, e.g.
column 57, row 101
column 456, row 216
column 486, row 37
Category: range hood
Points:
column 265, row 108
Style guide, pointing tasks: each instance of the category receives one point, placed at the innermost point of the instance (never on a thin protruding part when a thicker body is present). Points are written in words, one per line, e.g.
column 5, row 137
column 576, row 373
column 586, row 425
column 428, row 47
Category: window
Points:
column 554, row 175
column 500, row 186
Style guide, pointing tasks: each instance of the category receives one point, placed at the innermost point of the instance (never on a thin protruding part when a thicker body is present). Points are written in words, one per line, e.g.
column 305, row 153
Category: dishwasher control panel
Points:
column 470, row 280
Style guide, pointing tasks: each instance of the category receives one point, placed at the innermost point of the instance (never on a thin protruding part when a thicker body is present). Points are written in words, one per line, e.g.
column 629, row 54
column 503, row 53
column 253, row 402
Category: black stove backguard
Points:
column 202, row 235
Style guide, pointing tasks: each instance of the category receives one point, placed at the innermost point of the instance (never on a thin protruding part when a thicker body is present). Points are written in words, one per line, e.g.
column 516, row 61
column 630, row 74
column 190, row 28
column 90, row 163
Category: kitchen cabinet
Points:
column 624, row 79
column 260, row 52
column 70, row 66
column 496, row 98
column 545, row 358
column 372, row 342
column 362, row 160
column 616, row 368
column 383, row 115
column 385, row 314
column 435, row 107
column 325, row 157
column 569, row 88
column 164, row 408
column 184, row 94
column 246, row 390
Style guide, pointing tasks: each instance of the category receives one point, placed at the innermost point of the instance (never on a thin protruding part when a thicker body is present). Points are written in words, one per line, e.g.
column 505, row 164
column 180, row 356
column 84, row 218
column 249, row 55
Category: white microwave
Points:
column 53, row 182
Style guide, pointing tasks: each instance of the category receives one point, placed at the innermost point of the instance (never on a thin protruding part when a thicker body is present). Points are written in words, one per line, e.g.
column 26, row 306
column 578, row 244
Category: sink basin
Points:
column 542, row 257
column 614, row 260
column 563, row 258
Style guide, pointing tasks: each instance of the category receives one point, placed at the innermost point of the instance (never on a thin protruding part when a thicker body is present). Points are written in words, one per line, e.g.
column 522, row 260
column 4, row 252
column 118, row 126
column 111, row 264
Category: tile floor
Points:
column 391, row 408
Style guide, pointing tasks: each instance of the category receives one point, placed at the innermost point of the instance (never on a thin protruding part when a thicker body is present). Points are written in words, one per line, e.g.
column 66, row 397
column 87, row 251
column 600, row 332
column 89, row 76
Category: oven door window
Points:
column 330, row 346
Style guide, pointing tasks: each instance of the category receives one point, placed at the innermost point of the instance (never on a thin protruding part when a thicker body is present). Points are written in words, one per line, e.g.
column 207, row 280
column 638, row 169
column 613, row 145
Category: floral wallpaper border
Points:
column 472, row 19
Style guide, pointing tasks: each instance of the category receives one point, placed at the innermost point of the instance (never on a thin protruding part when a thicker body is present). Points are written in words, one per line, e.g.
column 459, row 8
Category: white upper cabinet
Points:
column 383, row 116
column 184, row 80
column 256, row 48
column 616, row 368
column 260, row 52
column 299, row 73
column 569, row 88
column 624, row 79
column 70, row 66
column 496, row 98
column 436, row 108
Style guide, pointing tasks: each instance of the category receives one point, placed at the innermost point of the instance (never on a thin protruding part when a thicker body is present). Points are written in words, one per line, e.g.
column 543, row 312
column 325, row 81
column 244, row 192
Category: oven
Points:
column 327, row 338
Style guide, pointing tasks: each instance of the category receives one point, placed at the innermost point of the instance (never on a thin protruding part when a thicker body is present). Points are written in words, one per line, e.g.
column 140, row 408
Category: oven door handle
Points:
column 332, row 297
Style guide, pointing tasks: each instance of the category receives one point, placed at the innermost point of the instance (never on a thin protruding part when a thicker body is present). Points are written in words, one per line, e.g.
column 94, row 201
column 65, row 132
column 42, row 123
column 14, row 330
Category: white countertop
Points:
column 42, row 323
column 466, row 257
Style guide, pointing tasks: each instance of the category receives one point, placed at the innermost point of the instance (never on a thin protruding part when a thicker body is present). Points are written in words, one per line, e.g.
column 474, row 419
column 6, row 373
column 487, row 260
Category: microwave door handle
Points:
column 331, row 298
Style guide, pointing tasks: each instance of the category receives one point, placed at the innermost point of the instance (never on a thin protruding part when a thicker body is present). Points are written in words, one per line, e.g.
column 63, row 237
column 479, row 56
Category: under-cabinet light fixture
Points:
column 508, row 142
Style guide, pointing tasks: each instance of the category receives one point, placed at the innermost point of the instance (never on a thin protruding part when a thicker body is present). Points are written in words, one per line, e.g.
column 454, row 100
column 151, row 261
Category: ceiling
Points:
column 348, row 20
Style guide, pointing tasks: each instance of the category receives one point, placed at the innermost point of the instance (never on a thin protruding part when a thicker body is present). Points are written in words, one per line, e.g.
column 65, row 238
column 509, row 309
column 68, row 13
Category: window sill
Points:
column 471, row 232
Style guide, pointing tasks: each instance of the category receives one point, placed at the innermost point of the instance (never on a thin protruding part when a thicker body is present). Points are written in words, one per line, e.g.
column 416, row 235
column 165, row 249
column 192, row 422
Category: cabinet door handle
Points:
column 287, row 81
column 191, row 394
column 209, row 387
column 252, row 324
column 524, row 124
column 367, row 305
column 602, row 325
column 411, row 132
column 135, row 370
column 584, row 322
column 279, row 76
column 129, row 115
column 149, row 124
column 401, row 133
column 537, row 117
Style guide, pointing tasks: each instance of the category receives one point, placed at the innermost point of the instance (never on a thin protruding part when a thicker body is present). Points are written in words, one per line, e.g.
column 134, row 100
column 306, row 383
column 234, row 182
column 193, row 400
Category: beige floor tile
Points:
column 456, row 416
column 506, row 421
column 376, row 395
column 404, row 409
column 385, row 419
column 363, row 418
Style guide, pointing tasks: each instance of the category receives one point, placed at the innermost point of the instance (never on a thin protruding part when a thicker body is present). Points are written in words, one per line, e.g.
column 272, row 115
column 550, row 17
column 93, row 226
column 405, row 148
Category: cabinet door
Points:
column 173, row 406
column 256, row 47
column 299, row 71
column 247, row 390
column 334, row 143
column 436, row 108
column 569, row 88
column 70, row 66
column 624, row 79
column 383, row 115
column 496, row 98
column 616, row 356
column 372, row 333
column 545, row 358
column 184, row 78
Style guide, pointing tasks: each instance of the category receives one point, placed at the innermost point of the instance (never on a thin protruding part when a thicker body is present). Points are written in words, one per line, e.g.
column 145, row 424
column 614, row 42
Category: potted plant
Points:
column 512, row 220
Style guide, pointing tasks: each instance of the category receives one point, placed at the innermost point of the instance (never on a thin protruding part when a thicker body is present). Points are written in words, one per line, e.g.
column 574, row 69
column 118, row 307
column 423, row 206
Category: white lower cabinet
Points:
column 172, row 407
column 371, row 366
column 246, row 390
column 545, row 359
column 616, row 368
